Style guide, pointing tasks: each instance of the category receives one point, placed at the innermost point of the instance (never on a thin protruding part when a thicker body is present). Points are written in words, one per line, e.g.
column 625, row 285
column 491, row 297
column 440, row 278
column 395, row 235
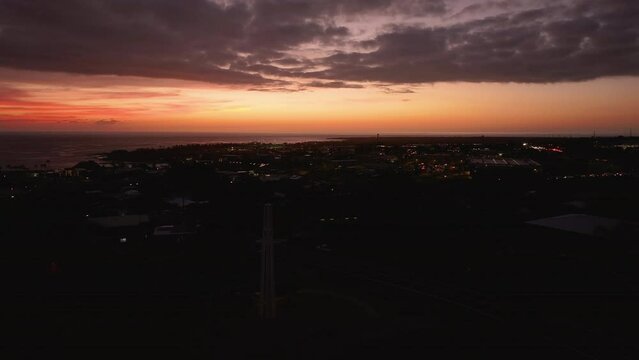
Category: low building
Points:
column 120, row 221
column 593, row 226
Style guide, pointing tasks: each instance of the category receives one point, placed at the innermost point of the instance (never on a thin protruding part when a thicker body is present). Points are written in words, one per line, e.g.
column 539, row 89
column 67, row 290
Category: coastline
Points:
column 46, row 150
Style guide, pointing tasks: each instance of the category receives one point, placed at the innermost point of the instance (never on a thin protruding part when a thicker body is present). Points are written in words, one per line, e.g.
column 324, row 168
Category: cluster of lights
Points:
column 543, row 148
column 627, row 146
column 354, row 218
column 565, row 177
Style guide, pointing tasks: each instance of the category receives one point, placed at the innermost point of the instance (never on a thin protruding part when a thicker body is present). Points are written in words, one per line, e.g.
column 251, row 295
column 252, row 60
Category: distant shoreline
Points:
column 329, row 136
column 61, row 150
column 468, row 138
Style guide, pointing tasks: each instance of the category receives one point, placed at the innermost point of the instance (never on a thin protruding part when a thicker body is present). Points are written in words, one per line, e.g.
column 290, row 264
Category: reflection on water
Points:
column 60, row 150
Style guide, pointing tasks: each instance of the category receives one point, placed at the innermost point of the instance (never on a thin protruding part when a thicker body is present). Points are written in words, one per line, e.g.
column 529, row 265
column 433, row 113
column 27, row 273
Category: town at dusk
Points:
column 319, row 179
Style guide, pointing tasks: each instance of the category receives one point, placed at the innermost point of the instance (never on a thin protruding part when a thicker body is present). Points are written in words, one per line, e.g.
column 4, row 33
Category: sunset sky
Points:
column 320, row 66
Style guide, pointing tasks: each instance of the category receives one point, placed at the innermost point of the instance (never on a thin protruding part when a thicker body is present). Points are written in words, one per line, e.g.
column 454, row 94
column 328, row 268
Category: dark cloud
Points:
column 282, row 25
column 288, row 10
column 333, row 85
column 282, row 89
column 482, row 7
column 107, row 122
column 392, row 90
column 258, row 43
column 586, row 40
column 186, row 39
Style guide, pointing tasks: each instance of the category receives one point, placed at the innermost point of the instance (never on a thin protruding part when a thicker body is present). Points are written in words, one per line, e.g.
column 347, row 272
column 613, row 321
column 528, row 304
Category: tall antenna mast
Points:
column 267, row 285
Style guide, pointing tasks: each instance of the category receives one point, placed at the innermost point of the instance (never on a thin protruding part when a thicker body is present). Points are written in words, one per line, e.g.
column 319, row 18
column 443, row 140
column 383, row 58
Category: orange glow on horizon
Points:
column 99, row 103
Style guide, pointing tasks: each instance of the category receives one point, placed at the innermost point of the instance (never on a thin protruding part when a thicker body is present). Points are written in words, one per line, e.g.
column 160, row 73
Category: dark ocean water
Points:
column 60, row 150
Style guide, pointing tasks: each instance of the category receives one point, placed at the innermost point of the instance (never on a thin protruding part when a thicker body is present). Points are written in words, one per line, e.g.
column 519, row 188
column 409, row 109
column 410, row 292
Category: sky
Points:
column 320, row 66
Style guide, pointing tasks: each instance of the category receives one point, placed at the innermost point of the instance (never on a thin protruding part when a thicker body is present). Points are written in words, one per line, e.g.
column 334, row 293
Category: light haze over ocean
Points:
column 67, row 149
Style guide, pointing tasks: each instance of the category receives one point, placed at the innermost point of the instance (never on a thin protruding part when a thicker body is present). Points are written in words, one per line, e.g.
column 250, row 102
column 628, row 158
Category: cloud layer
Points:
column 324, row 43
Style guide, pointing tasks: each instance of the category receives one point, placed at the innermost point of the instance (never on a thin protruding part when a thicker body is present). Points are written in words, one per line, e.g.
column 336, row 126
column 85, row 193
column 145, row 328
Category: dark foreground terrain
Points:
column 391, row 248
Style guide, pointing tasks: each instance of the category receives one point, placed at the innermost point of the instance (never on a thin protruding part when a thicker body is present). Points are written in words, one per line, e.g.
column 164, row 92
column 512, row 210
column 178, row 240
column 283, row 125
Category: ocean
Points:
column 62, row 150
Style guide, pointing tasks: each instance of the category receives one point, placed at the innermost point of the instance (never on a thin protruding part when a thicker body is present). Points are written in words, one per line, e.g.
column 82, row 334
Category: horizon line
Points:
column 335, row 135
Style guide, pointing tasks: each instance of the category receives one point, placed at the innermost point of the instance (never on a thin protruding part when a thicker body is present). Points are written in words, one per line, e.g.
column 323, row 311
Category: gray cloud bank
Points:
column 107, row 122
column 261, row 42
